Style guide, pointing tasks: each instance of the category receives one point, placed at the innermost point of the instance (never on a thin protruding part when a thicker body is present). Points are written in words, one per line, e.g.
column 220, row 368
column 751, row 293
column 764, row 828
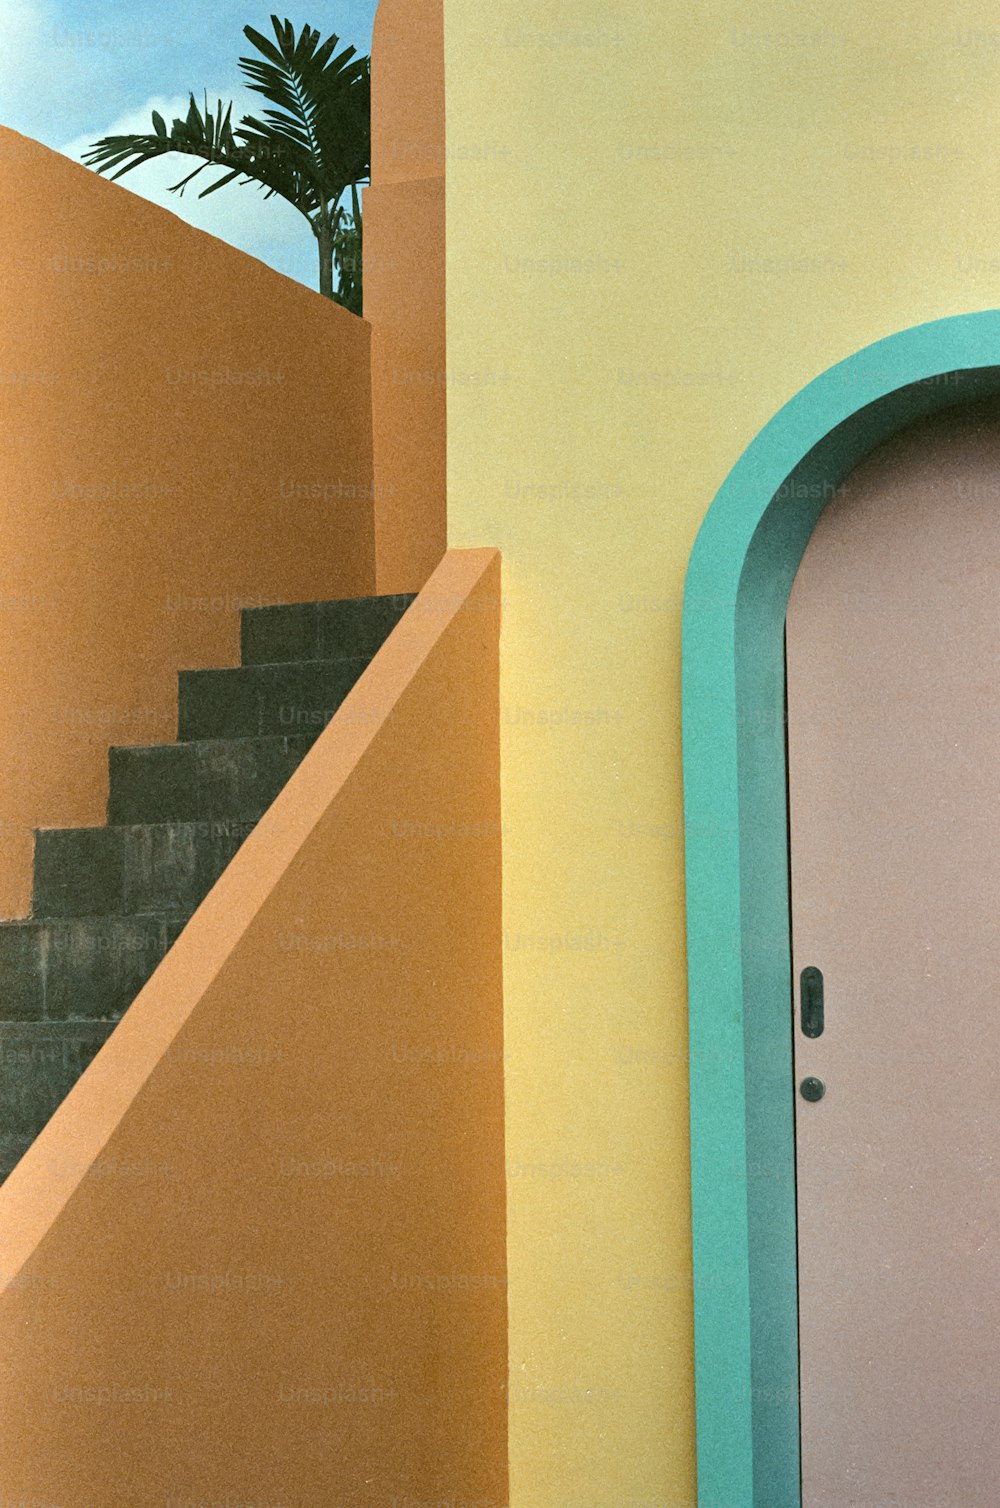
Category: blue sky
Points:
column 75, row 70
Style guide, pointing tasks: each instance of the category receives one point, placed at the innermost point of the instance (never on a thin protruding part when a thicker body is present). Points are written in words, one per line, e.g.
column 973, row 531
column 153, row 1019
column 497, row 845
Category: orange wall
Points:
column 408, row 81
column 171, row 411
column 258, row 1255
column 405, row 290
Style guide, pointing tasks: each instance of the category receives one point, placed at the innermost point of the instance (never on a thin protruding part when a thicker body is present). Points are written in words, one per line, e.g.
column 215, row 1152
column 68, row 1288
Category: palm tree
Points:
column 312, row 148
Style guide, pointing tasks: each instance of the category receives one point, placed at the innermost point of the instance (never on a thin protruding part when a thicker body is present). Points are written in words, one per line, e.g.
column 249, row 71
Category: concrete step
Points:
column 262, row 701
column 39, row 1064
column 319, row 630
column 108, row 903
column 151, row 869
column 84, row 968
column 205, row 780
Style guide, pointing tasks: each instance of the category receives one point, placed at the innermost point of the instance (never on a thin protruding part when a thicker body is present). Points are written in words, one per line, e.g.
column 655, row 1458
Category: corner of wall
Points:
column 405, row 291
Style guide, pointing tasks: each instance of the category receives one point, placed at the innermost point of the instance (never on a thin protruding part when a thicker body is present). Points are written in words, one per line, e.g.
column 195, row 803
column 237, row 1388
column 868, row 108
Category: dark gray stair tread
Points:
column 266, row 700
column 319, row 630
column 13, row 1148
column 83, row 968
column 39, row 1064
column 202, row 780
column 110, row 902
column 78, row 872
column 149, row 869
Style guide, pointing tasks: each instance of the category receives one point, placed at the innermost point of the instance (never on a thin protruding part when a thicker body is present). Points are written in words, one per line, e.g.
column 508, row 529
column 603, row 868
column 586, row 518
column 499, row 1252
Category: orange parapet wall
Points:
column 258, row 1255
column 405, row 290
column 183, row 432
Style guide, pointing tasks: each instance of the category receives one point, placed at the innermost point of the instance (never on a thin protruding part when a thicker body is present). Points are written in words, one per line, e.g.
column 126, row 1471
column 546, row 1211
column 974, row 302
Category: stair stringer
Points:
column 258, row 1253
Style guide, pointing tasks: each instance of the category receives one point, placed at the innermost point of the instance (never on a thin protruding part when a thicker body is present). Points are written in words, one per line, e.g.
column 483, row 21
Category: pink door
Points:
column 893, row 654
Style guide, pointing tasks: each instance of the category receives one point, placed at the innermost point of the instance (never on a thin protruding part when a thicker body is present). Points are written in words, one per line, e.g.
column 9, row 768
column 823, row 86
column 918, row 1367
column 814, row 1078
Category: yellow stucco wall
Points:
column 662, row 222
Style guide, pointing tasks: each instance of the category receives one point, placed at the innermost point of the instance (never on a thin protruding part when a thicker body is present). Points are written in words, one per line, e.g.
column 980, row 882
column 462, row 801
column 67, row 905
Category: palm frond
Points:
column 310, row 147
column 321, row 99
column 347, row 256
column 210, row 137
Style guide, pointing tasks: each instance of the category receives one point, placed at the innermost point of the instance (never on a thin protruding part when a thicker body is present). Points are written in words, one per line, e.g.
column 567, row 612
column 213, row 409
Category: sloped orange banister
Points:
column 258, row 1254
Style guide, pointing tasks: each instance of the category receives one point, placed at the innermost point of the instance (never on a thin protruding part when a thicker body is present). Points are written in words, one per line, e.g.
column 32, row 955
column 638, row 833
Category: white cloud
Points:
column 19, row 18
column 40, row 69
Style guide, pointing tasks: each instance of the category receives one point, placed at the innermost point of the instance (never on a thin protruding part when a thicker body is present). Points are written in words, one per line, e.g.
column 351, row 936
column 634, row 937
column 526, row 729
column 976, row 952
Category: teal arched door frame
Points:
column 736, row 824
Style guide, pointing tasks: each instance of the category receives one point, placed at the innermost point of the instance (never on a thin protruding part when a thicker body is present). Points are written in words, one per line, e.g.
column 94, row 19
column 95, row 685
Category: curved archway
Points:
column 736, row 825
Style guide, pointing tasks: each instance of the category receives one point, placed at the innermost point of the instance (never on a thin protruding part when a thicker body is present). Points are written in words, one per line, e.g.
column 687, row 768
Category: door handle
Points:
column 811, row 998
